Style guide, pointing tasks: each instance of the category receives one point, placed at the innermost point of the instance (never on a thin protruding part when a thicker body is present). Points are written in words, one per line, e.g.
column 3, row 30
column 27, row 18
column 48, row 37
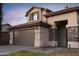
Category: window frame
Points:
column 31, row 16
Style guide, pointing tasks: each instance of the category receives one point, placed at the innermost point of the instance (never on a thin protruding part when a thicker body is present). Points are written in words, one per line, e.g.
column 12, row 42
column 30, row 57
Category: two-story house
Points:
column 46, row 28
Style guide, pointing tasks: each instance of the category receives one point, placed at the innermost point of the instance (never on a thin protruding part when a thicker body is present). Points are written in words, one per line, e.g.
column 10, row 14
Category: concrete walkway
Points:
column 13, row 48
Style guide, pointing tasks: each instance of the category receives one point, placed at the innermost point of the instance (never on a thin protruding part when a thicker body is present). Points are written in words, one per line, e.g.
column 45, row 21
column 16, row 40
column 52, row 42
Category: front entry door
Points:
column 61, row 34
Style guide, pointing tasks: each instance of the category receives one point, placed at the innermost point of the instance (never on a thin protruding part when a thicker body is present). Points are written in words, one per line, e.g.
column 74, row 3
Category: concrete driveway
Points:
column 4, row 49
column 10, row 48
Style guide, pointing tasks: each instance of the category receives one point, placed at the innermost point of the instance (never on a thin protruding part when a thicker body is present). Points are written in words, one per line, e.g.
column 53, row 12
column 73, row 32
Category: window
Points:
column 35, row 16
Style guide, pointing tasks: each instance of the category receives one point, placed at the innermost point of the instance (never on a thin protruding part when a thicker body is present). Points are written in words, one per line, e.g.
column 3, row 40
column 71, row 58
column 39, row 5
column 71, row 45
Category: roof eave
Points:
column 62, row 11
column 40, row 23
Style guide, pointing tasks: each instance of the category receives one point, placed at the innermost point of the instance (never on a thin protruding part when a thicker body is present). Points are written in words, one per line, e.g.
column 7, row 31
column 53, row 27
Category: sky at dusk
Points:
column 14, row 13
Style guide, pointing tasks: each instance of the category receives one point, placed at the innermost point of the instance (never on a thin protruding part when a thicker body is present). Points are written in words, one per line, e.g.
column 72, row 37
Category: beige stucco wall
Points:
column 71, row 17
column 32, row 11
column 41, row 37
column 41, row 13
column 37, row 38
column 11, row 38
column 78, row 17
column 44, row 36
column 44, row 19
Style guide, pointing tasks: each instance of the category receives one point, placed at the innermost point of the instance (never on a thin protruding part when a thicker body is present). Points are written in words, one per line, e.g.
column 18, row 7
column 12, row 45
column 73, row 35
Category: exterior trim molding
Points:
column 71, row 25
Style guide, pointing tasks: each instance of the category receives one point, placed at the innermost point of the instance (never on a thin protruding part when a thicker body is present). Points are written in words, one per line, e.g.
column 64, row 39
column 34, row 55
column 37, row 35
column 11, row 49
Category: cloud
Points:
column 15, row 13
column 15, row 16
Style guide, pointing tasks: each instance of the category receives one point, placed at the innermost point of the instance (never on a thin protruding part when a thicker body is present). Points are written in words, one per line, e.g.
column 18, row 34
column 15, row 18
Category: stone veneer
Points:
column 73, row 33
column 73, row 37
column 52, row 37
column 52, row 34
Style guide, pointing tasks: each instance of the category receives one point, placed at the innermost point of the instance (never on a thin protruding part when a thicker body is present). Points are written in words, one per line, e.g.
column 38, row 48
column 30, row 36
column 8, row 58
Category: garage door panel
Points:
column 25, row 37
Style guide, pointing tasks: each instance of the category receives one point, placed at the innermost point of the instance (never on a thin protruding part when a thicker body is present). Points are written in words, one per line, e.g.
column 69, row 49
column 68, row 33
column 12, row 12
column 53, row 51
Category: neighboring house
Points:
column 47, row 28
column 4, row 34
column 5, row 27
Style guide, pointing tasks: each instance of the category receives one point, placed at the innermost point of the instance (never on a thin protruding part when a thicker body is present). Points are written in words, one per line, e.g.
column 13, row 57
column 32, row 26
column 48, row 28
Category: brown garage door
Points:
column 4, row 38
column 24, row 37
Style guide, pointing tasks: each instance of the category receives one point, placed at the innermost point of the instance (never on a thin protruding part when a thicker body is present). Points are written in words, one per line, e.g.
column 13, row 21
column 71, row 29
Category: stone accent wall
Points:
column 53, row 37
column 73, row 37
column 52, row 34
column 73, row 33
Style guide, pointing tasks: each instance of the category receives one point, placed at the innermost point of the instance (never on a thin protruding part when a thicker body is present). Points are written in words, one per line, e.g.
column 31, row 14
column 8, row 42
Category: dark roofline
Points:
column 31, row 24
column 62, row 11
column 39, row 8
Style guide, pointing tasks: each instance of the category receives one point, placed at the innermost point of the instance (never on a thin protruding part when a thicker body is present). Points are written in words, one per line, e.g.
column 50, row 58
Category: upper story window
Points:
column 34, row 16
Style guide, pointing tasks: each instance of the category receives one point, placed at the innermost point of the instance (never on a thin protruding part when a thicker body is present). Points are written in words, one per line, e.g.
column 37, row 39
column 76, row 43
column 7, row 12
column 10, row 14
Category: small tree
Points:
column 0, row 16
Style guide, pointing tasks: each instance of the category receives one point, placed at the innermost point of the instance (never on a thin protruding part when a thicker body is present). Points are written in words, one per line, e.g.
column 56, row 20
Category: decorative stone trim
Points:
column 73, row 44
column 53, row 43
column 72, row 33
column 71, row 25
column 52, row 34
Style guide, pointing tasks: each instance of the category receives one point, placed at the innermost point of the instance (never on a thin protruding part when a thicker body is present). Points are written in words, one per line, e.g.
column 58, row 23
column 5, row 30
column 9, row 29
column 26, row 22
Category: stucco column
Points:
column 11, row 38
column 73, row 36
column 41, row 37
column 37, row 37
